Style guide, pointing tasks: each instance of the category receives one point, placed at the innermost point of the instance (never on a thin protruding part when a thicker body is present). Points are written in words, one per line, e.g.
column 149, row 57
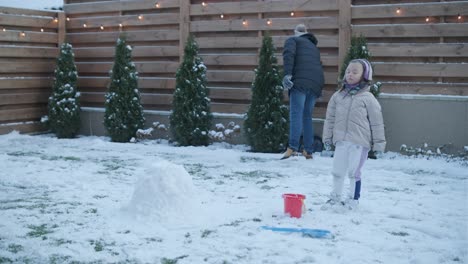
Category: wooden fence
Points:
column 410, row 55
column 28, row 48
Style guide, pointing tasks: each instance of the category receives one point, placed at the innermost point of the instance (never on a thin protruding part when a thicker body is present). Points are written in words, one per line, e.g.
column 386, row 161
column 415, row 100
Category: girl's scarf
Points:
column 353, row 89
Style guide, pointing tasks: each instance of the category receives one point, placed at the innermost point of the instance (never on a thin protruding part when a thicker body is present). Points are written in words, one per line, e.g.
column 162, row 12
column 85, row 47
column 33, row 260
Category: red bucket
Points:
column 294, row 204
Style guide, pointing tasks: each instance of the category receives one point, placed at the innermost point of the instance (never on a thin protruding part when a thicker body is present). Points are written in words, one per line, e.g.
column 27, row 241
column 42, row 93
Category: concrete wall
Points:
column 409, row 119
column 417, row 119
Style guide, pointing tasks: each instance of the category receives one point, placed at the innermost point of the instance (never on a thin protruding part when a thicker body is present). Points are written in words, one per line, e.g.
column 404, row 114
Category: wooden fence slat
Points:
column 22, row 127
column 127, row 20
column 18, row 67
column 146, row 98
column 411, row 30
column 421, row 69
column 103, row 37
column 137, row 52
column 143, row 82
column 23, row 98
column 115, row 6
column 251, row 59
column 25, row 82
column 425, row 88
column 262, row 7
column 410, row 10
column 142, row 67
column 22, row 114
column 230, row 93
column 28, row 12
column 418, row 49
column 27, row 21
column 261, row 24
column 27, row 52
column 29, row 37
column 256, row 42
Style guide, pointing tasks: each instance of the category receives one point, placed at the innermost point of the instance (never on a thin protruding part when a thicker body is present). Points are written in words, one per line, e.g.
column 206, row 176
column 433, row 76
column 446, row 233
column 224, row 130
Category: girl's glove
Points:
column 287, row 83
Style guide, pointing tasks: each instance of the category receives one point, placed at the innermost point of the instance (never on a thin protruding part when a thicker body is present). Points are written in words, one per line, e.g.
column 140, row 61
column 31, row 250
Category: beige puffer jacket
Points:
column 355, row 118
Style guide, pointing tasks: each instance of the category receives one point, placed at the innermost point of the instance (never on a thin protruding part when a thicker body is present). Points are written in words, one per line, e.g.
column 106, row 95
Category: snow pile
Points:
column 164, row 194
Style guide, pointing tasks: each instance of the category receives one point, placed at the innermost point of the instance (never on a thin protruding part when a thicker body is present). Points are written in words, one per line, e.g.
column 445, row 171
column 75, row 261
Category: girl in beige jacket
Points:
column 354, row 124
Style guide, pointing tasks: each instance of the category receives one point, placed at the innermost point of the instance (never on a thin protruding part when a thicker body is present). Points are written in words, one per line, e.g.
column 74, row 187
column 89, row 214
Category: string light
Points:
column 140, row 17
column 221, row 16
column 4, row 29
column 68, row 19
column 292, row 13
column 398, row 10
column 459, row 17
column 203, row 4
column 157, row 5
column 42, row 30
column 22, row 34
column 269, row 22
column 244, row 22
column 102, row 27
column 55, row 19
column 427, row 19
column 84, row 25
column 120, row 25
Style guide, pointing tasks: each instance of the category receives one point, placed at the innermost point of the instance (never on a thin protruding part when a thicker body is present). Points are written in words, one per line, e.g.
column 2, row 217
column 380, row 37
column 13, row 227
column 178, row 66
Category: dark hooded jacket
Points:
column 301, row 59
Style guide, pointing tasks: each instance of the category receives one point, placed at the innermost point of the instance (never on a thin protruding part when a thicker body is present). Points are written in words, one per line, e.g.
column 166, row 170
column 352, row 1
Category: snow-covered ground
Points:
column 32, row 4
column 90, row 200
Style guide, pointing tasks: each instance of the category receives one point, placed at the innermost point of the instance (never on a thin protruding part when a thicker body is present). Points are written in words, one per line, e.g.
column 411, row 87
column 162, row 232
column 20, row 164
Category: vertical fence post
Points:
column 344, row 31
column 61, row 28
column 184, row 26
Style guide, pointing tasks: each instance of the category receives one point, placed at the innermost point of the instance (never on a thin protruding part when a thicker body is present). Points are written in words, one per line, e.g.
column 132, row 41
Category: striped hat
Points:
column 367, row 73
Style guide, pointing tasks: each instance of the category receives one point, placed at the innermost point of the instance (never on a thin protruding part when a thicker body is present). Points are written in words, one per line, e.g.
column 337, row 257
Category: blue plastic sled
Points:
column 315, row 233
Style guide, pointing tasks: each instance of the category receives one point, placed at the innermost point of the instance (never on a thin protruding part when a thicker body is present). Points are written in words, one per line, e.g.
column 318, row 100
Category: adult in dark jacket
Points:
column 303, row 77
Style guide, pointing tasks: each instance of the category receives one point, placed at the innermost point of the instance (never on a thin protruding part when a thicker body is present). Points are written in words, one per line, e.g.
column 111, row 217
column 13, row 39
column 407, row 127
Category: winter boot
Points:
column 331, row 203
column 307, row 155
column 289, row 152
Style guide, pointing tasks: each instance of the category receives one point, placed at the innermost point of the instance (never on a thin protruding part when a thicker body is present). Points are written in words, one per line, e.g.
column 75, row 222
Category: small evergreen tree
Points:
column 358, row 50
column 124, row 112
column 64, row 104
column 267, row 122
column 191, row 116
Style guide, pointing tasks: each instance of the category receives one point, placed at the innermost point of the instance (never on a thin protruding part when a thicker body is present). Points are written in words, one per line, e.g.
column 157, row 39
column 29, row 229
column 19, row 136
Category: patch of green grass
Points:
column 56, row 259
column 5, row 260
column 245, row 159
column 250, row 175
column 14, row 248
column 172, row 261
column 66, row 158
column 91, row 211
column 61, row 241
column 24, row 153
column 206, row 232
column 399, row 233
column 38, row 231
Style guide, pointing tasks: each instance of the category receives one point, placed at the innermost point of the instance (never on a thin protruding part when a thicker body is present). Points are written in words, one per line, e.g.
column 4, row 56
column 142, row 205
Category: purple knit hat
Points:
column 367, row 73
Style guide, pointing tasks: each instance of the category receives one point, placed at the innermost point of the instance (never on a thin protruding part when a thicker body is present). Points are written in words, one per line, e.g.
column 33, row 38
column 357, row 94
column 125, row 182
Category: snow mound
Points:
column 165, row 194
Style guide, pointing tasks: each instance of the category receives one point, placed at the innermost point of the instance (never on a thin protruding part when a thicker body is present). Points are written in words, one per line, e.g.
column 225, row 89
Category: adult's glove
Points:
column 327, row 146
column 287, row 83
column 327, row 150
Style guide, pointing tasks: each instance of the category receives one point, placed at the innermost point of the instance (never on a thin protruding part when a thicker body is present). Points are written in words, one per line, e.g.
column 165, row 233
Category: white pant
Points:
column 348, row 161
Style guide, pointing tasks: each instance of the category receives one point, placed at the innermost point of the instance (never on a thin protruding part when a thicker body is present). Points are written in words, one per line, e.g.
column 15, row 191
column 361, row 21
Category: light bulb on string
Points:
column 68, row 19
column 55, row 19
column 101, row 27
column 221, row 16
column 120, row 25
column 398, row 10
column 22, row 34
column 203, row 4
column 157, row 5
column 427, row 19
column 244, row 22
column 292, row 13
column 459, row 17
column 140, row 17
column 268, row 22
column 4, row 29
column 84, row 25
column 42, row 30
